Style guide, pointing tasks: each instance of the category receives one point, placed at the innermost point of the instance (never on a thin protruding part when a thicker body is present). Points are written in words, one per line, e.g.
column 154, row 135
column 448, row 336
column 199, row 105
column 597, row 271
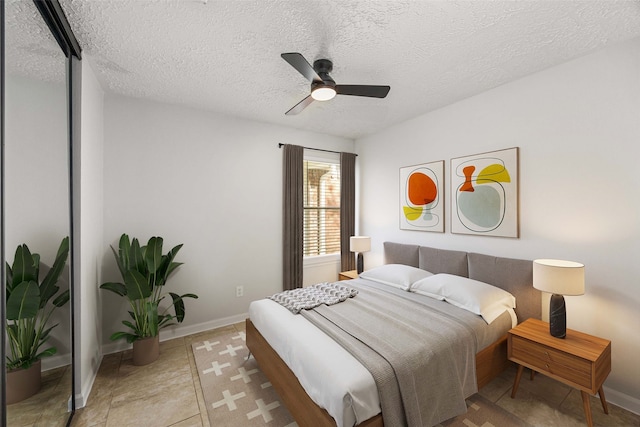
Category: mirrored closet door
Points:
column 37, row 353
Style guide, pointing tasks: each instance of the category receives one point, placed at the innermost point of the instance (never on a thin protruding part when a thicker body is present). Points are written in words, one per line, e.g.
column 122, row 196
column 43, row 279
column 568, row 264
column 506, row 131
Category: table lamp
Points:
column 360, row 244
column 558, row 278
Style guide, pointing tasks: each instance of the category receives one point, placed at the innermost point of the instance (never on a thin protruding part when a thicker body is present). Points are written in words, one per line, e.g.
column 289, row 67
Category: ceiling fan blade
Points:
column 300, row 106
column 363, row 90
column 298, row 62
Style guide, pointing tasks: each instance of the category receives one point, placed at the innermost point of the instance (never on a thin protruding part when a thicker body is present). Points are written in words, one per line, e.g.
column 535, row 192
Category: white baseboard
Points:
column 179, row 331
column 61, row 360
column 176, row 332
column 82, row 397
column 622, row 400
column 57, row 361
column 615, row 397
column 85, row 383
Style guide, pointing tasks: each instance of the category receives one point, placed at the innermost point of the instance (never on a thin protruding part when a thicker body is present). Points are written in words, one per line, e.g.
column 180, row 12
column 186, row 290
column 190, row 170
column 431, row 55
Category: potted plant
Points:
column 145, row 271
column 28, row 312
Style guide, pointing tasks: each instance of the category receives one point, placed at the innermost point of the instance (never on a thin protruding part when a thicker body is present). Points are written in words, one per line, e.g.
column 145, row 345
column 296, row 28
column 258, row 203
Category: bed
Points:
column 297, row 357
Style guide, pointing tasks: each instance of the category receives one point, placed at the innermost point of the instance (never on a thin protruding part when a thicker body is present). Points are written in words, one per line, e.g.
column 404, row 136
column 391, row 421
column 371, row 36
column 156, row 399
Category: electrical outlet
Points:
column 239, row 291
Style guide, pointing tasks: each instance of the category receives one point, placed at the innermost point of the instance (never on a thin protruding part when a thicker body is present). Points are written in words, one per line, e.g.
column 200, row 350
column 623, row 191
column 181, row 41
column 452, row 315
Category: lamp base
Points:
column 557, row 317
column 360, row 263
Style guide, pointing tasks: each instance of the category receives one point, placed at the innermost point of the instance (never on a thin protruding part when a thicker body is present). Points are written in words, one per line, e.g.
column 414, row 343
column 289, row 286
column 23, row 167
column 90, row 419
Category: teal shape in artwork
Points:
column 483, row 207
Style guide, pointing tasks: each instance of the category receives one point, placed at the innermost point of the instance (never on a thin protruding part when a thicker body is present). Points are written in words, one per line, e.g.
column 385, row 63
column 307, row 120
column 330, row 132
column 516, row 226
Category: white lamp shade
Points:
column 360, row 244
column 558, row 277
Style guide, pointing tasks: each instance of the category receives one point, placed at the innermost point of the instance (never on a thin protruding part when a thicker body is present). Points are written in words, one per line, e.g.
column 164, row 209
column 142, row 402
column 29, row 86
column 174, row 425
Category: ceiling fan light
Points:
column 323, row 93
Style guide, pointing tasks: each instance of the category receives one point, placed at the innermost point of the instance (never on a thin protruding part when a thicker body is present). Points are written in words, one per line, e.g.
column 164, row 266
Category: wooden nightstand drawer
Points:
column 556, row 363
column 579, row 360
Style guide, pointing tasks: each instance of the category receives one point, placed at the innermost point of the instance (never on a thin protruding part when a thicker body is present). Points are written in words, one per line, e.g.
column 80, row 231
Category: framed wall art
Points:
column 484, row 194
column 422, row 197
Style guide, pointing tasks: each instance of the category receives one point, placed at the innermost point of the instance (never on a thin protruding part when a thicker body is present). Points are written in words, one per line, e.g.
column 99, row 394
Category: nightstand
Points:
column 580, row 360
column 346, row 275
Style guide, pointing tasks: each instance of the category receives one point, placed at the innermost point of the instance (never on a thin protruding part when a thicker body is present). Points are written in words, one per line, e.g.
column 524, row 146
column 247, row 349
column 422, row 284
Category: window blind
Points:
column 321, row 181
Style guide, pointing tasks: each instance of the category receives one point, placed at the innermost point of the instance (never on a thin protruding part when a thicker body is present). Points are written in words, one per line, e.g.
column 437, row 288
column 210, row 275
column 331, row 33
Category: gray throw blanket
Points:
column 299, row 299
column 423, row 361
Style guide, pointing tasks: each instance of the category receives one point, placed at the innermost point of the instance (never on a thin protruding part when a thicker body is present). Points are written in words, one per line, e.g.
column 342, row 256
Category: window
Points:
column 321, row 206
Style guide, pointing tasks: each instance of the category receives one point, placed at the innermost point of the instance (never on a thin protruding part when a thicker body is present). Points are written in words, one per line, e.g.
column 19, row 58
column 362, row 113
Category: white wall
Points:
column 36, row 177
column 578, row 127
column 323, row 268
column 209, row 181
column 88, row 223
column 37, row 183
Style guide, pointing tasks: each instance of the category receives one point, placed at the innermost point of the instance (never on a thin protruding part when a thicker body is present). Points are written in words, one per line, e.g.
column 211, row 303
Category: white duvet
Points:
column 330, row 375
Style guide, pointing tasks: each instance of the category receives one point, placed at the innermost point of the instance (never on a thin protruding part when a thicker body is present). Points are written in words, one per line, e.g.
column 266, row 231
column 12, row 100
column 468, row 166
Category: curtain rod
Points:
column 316, row 149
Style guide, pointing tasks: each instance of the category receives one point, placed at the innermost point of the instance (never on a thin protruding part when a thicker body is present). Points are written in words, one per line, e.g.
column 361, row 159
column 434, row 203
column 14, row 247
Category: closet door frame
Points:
column 54, row 17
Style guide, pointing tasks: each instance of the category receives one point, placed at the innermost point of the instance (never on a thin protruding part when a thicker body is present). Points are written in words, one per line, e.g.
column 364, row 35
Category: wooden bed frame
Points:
column 513, row 275
column 490, row 362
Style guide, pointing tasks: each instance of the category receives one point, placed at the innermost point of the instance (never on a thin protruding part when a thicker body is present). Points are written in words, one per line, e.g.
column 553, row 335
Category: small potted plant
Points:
column 145, row 271
column 28, row 312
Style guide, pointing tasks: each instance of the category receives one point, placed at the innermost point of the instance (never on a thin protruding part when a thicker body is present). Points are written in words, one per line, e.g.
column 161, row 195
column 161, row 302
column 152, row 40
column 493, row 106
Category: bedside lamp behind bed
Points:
column 360, row 244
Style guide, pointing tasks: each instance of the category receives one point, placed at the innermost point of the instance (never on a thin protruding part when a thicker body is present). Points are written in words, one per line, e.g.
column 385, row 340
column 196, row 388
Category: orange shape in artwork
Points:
column 421, row 188
column 467, row 186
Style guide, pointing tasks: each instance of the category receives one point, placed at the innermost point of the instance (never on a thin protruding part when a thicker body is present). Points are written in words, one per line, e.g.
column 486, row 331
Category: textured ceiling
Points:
column 224, row 55
column 30, row 49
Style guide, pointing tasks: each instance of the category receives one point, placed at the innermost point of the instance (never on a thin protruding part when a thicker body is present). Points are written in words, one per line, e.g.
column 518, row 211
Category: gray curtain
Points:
column 293, row 216
column 347, row 209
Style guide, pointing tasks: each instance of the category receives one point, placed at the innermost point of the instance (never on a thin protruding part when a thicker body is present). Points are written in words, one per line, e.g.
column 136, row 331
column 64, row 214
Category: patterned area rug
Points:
column 237, row 393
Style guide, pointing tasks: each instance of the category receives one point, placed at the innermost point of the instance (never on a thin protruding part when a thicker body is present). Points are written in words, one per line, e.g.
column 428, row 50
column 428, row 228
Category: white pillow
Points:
column 396, row 275
column 431, row 286
column 477, row 297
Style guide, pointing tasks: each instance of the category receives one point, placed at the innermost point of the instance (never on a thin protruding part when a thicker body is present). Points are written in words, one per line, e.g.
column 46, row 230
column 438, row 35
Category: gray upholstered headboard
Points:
column 512, row 275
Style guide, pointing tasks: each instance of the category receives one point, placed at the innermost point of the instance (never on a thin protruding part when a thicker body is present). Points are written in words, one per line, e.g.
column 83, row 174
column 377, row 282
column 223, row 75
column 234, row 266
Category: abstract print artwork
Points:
column 422, row 197
column 484, row 194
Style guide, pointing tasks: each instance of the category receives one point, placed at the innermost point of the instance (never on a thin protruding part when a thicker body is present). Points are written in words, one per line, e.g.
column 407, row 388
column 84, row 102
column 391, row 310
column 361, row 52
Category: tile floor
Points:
column 546, row 402
column 167, row 393
column 164, row 393
column 48, row 407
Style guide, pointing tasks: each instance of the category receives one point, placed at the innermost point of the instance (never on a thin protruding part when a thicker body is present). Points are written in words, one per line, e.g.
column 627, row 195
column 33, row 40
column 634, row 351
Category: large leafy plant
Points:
column 28, row 308
column 145, row 271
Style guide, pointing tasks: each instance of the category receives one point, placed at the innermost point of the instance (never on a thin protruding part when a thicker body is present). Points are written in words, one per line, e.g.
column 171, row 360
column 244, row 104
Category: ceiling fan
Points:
column 323, row 87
